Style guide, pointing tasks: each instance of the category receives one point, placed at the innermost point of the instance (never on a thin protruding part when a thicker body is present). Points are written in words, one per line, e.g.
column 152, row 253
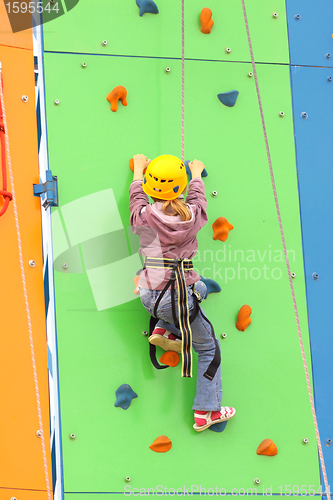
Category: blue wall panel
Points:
column 313, row 94
column 310, row 36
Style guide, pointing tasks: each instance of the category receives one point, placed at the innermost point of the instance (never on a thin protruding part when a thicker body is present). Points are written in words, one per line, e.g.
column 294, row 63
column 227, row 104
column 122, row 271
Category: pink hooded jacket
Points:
column 167, row 236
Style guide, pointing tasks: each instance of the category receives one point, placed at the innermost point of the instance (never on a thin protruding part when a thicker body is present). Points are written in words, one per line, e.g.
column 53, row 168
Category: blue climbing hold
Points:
column 147, row 6
column 212, row 286
column 218, row 427
column 229, row 98
column 189, row 173
column 125, row 394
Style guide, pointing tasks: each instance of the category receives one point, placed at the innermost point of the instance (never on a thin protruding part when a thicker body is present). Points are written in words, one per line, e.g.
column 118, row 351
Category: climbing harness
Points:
column 7, row 196
column 178, row 267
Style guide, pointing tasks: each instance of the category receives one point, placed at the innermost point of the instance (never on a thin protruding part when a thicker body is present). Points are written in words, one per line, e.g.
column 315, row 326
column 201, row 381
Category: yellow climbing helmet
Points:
column 165, row 178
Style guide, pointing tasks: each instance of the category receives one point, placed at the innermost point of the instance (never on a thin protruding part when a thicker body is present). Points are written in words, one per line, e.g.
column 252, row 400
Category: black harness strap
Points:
column 152, row 347
column 177, row 267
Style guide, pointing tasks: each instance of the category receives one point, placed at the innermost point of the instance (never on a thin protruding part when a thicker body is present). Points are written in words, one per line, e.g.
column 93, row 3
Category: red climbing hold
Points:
column 7, row 196
column 267, row 447
column 221, row 229
column 131, row 165
column 243, row 319
column 161, row 444
column 170, row 358
column 136, row 283
column 206, row 21
column 117, row 93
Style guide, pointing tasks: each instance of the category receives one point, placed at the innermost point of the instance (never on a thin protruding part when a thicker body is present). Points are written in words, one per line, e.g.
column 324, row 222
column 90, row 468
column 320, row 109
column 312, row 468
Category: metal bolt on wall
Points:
column 25, row 98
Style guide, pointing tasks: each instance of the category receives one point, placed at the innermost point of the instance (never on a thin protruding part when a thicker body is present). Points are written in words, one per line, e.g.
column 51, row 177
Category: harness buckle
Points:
column 197, row 294
column 174, row 267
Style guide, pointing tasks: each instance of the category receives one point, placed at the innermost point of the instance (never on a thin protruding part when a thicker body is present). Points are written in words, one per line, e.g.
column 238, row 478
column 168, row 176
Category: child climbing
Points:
column 170, row 289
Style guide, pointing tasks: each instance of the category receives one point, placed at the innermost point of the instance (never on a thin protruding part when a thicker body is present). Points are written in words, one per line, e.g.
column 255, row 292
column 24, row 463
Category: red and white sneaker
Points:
column 166, row 340
column 204, row 419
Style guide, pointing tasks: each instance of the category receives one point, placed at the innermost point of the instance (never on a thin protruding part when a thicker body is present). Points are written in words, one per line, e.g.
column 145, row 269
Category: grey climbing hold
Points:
column 228, row 98
column 189, row 173
column 147, row 6
column 124, row 394
column 212, row 286
column 218, row 427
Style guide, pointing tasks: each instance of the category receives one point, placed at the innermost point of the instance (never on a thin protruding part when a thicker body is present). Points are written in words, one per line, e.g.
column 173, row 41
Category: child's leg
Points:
column 170, row 327
column 209, row 392
column 201, row 288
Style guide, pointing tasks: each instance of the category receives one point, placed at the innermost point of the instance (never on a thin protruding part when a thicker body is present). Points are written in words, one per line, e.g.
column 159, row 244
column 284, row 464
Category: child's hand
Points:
column 196, row 168
column 140, row 162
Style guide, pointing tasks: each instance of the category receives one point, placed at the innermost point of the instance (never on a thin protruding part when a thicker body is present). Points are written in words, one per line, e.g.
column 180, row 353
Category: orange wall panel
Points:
column 21, row 39
column 21, row 459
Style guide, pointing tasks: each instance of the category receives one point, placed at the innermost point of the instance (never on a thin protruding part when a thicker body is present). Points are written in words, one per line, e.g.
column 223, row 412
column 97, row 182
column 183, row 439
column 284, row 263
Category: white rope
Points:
column 287, row 260
column 183, row 68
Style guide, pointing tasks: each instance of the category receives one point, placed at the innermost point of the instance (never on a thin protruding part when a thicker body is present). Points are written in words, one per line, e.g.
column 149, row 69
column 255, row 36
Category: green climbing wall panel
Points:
column 100, row 320
column 84, row 28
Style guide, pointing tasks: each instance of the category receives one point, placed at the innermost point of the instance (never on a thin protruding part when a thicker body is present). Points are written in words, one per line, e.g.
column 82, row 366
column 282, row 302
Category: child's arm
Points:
column 138, row 198
column 196, row 190
column 140, row 163
column 196, row 168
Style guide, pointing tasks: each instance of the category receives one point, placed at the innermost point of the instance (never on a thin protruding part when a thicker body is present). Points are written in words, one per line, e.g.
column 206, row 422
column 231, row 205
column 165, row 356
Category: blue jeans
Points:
column 209, row 392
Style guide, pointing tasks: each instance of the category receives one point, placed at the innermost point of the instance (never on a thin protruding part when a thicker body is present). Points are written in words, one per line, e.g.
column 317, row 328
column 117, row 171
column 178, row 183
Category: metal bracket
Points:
column 48, row 191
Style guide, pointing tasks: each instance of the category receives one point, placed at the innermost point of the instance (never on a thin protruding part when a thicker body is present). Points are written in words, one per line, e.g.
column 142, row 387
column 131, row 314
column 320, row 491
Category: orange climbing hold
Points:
column 117, row 93
column 131, row 165
column 267, row 447
column 161, row 444
column 243, row 319
column 206, row 21
column 221, row 229
column 136, row 283
column 170, row 358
